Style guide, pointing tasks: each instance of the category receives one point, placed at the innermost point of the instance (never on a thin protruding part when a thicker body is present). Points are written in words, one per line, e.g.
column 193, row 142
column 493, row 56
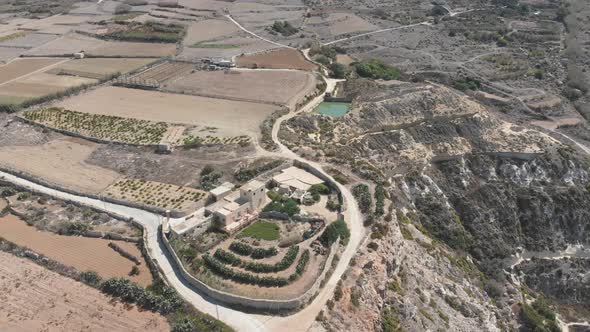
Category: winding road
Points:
column 240, row 321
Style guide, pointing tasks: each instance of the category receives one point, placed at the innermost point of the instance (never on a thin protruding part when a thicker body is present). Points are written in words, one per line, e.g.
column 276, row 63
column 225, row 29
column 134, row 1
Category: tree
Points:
column 338, row 70
column 122, row 9
column 334, row 231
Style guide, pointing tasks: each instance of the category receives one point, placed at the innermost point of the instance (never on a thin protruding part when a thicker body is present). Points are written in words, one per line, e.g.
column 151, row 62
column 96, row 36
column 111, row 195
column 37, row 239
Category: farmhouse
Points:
column 235, row 209
column 294, row 179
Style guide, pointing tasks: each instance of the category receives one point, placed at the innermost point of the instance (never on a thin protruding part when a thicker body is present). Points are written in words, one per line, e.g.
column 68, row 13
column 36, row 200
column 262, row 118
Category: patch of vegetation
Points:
column 74, row 228
column 105, row 127
column 13, row 36
column 390, row 321
column 363, row 196
column 337, row 70
column 335, row 230
column 284, row 28
column 242, row 277
column 248, row 173
column 537, row 321
column 244, row 249
column 376, row 69
column 379, row 200
column 283, row 205
column 262, row 230
column 468, row 83
column 205, row 44
column 209, row 178
column 91, row 278
column 150, row 31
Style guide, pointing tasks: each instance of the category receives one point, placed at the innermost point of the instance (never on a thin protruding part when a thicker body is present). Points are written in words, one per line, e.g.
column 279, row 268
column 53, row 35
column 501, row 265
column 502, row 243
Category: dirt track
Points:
column 35, row 299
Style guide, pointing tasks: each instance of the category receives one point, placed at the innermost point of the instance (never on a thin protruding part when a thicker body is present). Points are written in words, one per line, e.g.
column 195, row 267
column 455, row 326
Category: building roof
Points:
column 181, row 226
column 252, row 185
column 297, row 178
column 222, row 189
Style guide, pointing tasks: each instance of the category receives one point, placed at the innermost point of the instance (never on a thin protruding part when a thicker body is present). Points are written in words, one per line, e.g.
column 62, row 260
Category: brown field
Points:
column 208, row 30
column 174, row 108
column 165, row 71
column 41, row 84
column 271, row 86
column 20, row 67
column 343, row 23
column 81, row 253
column 33, row 298
column 112, row 48
column 60, row 161
column 284, row 58
column 98, row 68
column 67, row 44
column 9, row 53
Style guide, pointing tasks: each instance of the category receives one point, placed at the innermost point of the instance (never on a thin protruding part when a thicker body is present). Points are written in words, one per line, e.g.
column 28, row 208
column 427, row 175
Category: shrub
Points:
column 246, row 174
column 74, row 228
column 90, row 278
column 334, row 231
column 259, row 253
column 376, row 69
column 241, row 248
column 467, row 84
column 379, row 200
column 303, row 260
column 361, row 193
column 242, row 277
column 338, row 70
column 163, row 300
column 288, row 206
column 284, row 28
column 389, row 320
column 320, row 189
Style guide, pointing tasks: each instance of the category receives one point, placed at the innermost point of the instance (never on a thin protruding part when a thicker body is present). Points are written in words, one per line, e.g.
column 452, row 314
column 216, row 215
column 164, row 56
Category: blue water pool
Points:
column 333, row 109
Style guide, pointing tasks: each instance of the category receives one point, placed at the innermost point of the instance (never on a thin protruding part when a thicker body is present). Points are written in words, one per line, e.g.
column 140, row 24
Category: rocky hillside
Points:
column 467, row 191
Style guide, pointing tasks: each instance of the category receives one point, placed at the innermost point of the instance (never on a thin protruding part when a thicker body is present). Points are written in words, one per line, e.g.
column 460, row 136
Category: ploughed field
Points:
column 173, row 108
column 33, row 298
column 270, row 86
column 81, row 253
column 283, row 58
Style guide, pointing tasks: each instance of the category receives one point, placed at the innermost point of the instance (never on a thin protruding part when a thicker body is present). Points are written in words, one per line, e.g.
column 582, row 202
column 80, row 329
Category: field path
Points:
column 40, row 70
column 376, row 31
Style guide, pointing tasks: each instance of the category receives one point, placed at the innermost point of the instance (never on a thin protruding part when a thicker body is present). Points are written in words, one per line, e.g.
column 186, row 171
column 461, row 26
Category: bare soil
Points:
column 81, row 253
column 283, row 87
column 208, row 30
column 20, row 67
column 60, row 161
column 100, row 67
column 174, row 108
column 41, row 84
column 284, row 58
column 35, row 299
column 112, row 48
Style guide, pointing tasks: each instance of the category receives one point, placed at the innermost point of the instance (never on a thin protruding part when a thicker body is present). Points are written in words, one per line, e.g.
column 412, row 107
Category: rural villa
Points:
column 233, row 209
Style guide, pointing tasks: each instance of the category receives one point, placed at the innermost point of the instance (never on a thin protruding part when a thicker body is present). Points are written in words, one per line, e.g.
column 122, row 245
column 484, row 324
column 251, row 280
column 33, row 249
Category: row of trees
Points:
column 363, row 197
column 242, row 277
column 244, row 249
column 283, row 264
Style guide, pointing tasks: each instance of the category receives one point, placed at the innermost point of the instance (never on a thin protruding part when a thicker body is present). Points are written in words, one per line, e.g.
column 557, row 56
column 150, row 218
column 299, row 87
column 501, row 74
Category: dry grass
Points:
column 99, row 68
column 283, row 58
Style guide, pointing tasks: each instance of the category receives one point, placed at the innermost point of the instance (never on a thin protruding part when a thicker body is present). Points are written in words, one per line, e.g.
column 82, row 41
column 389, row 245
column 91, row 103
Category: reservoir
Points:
column 333, row 109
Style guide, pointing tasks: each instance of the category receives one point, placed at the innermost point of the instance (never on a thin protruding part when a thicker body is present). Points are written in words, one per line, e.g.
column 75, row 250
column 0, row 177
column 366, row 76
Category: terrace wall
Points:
column 266, row 305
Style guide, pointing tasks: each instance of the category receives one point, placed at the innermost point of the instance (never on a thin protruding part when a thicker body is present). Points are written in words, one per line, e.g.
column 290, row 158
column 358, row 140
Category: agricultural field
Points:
column 104, row 127
column 165, row 71
column 208, row 30
column 27, row 40
column 164, row 195
column 284, row 58
column 81, row 253
column 61, row 161
column 21, row 67
column 281, row 87
column 99, row 68
column 67, row 45
column 224, row 47
column 202, row 112
column 134, row 49
column 34, row 298
column 9, row 53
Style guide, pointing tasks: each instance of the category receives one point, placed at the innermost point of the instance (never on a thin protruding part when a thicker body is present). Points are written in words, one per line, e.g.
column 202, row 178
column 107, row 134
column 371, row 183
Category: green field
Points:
column 262, row 230
column 12, row 100
column 207, row 45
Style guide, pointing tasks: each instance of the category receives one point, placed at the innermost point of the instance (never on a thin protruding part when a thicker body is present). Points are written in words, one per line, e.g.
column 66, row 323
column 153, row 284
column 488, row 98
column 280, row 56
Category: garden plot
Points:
column 29, row 40
column 21, row 67
column 174, row 108
column 272, row 86
column 283, row 58
column 104, row 127
column 81, row 253
column 60, row 161
column 99, row 68
column 49, row 299
column 208, row 30
column 163, row 195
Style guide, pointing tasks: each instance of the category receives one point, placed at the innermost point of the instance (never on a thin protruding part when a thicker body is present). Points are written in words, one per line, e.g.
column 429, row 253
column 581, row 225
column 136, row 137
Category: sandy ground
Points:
column 60, row 161
column 79, row 252
column 263, row 86
column 20, row 67
column 208, row 30
column 283, row 58
column 175, row 108
column 100, row 67
column 320, row 208
column 36, row 299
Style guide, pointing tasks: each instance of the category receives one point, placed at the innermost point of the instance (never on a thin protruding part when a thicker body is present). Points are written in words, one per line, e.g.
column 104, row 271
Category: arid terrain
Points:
column 297, row 165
